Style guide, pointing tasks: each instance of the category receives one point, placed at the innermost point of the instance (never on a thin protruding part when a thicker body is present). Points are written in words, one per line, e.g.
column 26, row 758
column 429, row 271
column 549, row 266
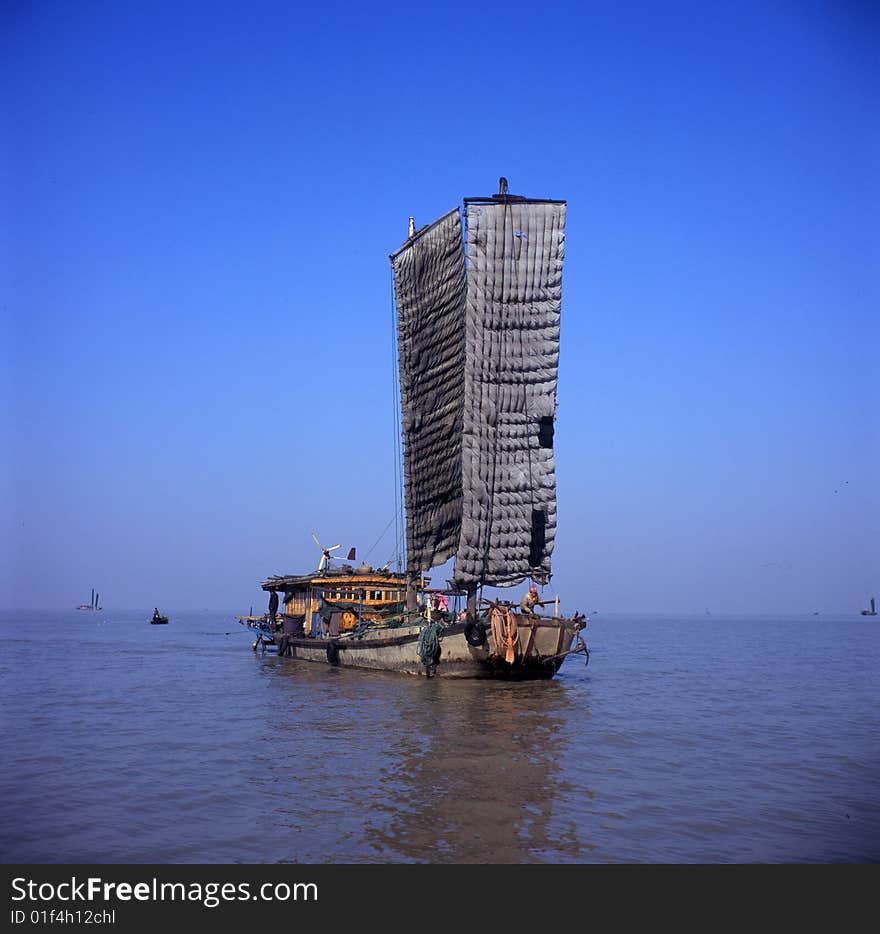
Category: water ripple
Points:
column 682, row 741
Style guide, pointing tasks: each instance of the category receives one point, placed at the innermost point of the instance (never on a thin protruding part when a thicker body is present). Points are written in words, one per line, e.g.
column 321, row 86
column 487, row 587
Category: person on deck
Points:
column 155, row 612
column 530, row 601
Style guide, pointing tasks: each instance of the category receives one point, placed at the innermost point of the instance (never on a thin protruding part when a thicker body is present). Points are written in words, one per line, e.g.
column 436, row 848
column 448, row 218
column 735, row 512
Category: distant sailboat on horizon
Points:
column 872, row 611
column 93, row 605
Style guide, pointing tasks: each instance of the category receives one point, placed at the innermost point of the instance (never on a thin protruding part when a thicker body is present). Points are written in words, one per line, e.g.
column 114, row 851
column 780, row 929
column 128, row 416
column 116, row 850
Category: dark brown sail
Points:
column 429, row 286
column 515, row 250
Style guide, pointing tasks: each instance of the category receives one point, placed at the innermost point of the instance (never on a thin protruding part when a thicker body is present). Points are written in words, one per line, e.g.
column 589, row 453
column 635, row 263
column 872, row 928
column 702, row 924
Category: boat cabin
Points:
column 333, row 600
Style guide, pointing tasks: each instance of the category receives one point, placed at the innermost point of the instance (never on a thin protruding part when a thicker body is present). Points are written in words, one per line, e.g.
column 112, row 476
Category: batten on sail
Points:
column 515, row 250
column 429, row 287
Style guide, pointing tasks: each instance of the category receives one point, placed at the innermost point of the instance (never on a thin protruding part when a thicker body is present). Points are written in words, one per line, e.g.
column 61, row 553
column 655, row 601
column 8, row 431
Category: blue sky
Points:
column 199, row 201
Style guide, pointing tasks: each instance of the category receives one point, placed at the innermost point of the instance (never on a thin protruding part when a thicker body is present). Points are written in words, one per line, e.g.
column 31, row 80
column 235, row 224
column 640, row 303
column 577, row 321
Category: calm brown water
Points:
column 684, row 740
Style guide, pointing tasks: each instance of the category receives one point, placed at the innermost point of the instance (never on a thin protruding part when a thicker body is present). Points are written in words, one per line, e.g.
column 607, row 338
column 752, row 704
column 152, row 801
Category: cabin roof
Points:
column 345, row 576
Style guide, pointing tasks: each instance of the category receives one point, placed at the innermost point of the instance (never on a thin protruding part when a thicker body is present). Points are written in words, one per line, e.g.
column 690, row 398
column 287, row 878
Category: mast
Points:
column 412, row 589
column 471, row 601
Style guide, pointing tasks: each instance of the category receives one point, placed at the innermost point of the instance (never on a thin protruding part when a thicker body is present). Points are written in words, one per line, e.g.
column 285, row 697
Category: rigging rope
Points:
column 379, row 539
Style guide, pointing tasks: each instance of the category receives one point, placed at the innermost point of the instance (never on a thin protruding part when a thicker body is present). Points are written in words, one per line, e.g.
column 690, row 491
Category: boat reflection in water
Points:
column 478, row 779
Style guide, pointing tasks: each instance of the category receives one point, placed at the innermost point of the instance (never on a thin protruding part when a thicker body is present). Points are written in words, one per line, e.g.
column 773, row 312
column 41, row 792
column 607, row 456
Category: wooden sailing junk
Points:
column 478, row 295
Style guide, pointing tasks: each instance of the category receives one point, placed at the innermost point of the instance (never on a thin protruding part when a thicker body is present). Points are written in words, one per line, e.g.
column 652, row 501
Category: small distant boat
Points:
column 158, row 619
column 872, row 611
column 93, row 605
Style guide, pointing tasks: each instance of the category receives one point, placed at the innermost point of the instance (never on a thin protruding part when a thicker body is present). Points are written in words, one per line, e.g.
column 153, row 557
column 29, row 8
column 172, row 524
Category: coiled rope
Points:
column 505, row 632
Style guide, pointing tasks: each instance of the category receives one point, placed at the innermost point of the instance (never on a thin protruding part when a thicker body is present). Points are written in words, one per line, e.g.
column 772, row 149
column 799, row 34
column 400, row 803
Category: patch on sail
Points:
column 429, row 287
column 515, row 252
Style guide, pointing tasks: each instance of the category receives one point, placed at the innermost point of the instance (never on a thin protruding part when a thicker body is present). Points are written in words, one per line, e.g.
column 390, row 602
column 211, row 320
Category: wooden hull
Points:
column 542, row 644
